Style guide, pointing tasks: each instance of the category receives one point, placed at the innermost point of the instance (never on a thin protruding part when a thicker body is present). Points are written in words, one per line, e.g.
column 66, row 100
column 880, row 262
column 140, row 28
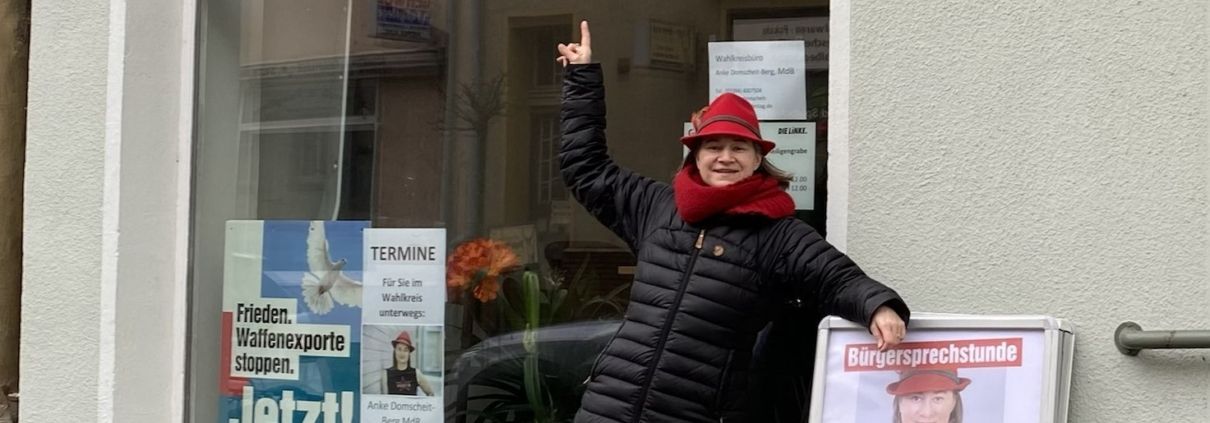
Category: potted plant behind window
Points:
column 515, row 306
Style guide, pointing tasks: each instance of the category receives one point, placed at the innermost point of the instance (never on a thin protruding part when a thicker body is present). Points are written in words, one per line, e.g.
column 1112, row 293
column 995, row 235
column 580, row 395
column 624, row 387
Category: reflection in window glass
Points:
column 445, row 114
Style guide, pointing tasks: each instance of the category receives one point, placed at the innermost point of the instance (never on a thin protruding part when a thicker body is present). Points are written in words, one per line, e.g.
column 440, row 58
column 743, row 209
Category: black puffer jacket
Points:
column 701, row 292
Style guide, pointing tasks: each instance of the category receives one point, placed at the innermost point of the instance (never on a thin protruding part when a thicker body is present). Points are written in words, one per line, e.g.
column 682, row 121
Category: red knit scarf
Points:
column 758, row 194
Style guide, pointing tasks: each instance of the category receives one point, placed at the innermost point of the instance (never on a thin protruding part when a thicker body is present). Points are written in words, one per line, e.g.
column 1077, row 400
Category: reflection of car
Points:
column 490, row 376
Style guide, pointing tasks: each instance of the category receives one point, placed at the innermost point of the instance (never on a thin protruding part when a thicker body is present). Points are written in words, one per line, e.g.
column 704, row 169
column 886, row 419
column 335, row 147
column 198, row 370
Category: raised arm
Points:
column 619, row 198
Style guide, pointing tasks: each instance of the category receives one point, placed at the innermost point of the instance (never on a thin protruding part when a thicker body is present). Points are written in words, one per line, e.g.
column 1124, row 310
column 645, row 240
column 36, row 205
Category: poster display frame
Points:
column 1058, row 350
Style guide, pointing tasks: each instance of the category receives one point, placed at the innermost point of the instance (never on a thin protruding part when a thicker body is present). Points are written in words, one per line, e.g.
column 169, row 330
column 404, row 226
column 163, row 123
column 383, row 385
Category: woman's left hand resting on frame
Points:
column 887, row 327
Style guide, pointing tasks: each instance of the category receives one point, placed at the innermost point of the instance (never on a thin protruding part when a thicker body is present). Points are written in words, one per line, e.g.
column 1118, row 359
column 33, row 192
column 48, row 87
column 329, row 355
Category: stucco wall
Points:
column 149, row 280
column 63, row 190
column 108, row 130
column 1042, row 157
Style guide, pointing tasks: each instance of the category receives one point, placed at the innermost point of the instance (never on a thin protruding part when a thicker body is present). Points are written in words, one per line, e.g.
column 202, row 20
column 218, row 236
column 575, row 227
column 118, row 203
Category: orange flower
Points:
column 477, row 265
column 487, row 289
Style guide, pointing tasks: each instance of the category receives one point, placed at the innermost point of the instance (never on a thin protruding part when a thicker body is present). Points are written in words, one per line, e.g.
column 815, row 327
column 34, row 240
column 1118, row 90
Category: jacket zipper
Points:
column 676, row 305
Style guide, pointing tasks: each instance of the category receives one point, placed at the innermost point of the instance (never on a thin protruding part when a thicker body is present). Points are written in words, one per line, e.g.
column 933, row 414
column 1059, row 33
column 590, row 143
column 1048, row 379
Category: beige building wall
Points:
column 287, row 30
column 106, row 211
column 1045, row 158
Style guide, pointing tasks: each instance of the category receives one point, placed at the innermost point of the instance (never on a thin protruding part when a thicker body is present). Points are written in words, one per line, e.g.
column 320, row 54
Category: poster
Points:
column 333, row 322
column 950, row 368
column 795, row 154
column 770, row 74
column 402, row 367
column 291, row 322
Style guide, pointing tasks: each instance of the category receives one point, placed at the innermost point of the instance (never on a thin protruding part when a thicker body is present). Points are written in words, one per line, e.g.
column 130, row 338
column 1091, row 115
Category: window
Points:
column 548, row 73
column 547, row 137
column 337, row 117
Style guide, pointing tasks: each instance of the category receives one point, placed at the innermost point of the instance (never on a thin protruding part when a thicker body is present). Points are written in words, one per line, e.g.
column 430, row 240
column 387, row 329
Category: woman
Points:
column 717, row 251
column 928, row 396
column 401, row 378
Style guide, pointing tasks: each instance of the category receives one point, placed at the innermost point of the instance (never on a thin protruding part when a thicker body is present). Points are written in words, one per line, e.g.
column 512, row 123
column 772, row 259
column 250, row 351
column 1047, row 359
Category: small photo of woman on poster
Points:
column 401, row 378
column 401, row 360
column 928, row 396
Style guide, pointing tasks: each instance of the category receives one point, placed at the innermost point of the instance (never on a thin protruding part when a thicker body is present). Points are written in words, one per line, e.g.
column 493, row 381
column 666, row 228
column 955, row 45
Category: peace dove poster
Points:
column 292, row 308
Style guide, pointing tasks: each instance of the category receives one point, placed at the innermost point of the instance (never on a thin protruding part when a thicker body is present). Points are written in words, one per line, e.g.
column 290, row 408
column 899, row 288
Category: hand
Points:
column 888, row 329
column 577, row 52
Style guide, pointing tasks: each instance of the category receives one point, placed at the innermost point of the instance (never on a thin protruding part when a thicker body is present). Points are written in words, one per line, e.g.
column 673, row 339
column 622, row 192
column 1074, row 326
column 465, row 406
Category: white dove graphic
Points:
column 325, row 282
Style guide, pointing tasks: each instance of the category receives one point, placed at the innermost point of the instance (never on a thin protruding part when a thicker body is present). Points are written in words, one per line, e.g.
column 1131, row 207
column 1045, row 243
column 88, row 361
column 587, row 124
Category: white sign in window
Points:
column 770, row 74
column 403, row 324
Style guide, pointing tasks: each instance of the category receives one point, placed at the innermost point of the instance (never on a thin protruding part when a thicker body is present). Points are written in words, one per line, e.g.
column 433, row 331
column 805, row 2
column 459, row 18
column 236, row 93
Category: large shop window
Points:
column 325, row 126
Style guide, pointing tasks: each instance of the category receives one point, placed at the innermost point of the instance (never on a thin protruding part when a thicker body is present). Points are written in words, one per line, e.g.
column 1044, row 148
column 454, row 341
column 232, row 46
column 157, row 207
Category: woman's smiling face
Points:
column 724, row 161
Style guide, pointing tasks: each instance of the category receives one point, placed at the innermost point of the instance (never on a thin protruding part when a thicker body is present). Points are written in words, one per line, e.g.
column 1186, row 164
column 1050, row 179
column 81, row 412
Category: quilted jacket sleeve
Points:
column 825, row 278
column 622, row 200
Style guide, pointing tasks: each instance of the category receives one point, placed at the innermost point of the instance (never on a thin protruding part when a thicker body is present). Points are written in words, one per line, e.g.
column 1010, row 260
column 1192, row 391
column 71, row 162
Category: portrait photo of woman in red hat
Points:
column 928, row 396
column 401, row 378
column 393, row 363
column 720, row 255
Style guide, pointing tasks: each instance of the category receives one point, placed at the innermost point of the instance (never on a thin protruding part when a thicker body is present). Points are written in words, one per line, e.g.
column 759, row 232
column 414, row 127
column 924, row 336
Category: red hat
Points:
column 915, row 381
column 404, row 339
column 728, row 115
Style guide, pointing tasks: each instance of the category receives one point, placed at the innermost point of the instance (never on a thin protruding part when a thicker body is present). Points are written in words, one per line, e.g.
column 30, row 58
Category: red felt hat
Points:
column 404, row 339
column 728, row 115
column 916, row 381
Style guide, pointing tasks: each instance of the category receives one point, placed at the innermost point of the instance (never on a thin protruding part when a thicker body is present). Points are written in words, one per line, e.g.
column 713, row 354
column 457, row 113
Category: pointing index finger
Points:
column 585, row 38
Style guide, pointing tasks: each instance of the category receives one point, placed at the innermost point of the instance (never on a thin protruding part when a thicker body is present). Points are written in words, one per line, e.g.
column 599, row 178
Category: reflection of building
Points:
column 293, row 68
column 656, row 74
column 531, row 122
column 977, row 174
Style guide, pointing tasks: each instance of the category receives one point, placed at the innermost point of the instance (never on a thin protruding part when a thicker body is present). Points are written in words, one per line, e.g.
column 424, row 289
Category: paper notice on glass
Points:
column 404, row 325
column 404, row 276
column 770, row 74
column 795, row 154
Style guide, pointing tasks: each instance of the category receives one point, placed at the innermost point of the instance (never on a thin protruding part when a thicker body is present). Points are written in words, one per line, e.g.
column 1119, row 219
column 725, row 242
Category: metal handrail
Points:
column 1130, row 338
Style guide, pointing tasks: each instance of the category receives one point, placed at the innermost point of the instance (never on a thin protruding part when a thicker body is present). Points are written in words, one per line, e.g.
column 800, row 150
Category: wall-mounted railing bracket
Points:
column 1130, row 338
